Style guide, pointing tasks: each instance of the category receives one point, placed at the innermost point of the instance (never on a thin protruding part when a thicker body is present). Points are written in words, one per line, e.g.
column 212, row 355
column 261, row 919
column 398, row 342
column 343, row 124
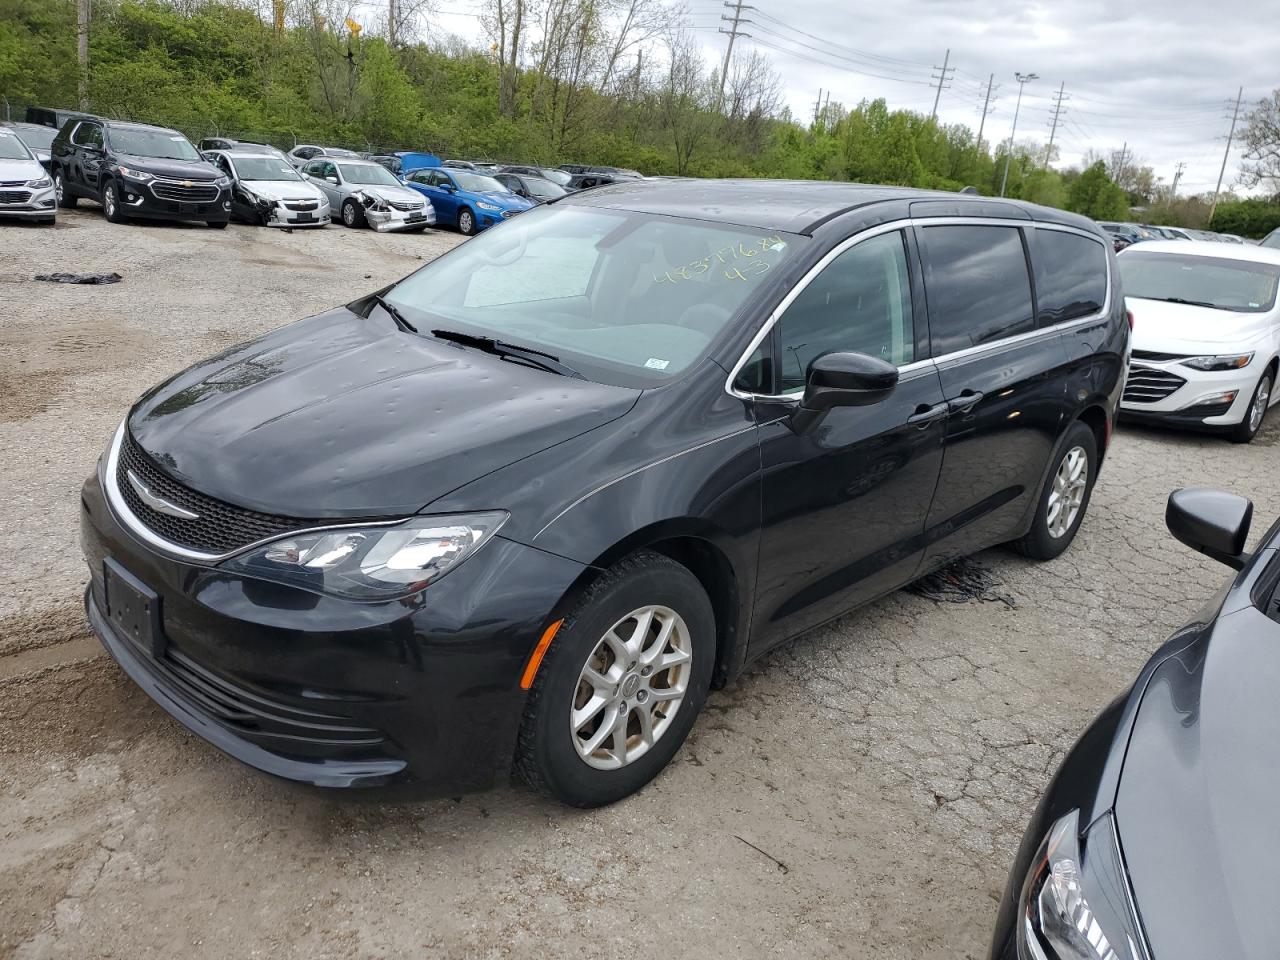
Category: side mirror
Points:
column 1211, row 521
column 333, row 180
column 843, row 380
column 448, row 187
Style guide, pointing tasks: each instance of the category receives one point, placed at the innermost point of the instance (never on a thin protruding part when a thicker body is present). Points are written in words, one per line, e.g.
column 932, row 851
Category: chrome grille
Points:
column 219, row 527
column 13, row 183
column 185, row 191
column 15, row 196
column 1148, row 385
column 408, row 205
column 1158, row 357
column 301, row 204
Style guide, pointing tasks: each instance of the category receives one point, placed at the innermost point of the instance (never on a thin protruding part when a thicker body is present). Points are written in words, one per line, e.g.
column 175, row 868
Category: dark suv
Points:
column 525, row 506
column 136, row 170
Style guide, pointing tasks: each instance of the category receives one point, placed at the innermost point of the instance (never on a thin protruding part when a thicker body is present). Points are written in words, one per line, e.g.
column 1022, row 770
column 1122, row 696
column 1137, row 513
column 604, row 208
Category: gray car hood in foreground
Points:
column 1199, row 795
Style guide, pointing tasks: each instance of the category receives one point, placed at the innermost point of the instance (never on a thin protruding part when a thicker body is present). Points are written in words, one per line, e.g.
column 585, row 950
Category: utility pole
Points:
column 82, row 51
column 1124, row 158
column 943, row 76
column 1057, row 115
column 737, row 7
column 986, row 108
column 1177, row 175
column 392, row 22
column 1235, row 114
column 817, row 107
column 1023, row 79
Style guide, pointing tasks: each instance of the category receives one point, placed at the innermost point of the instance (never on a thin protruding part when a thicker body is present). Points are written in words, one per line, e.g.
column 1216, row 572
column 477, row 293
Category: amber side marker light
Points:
column 535, row 658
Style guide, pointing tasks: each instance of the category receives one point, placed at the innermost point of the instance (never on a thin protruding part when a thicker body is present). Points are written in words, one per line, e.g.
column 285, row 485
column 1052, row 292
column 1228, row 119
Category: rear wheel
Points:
column 1248, row 428
column 65, row 200
column 466, row 222
column 1065, row 496
column 111, row 204
column 621, row 684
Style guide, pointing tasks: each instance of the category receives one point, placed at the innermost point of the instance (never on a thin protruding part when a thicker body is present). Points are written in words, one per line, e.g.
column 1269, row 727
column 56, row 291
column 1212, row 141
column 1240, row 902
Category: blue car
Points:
column 468, row 201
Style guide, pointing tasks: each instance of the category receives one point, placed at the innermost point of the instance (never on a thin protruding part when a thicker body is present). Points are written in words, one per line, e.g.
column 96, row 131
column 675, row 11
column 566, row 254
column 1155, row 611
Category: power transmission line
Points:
column 1235, row 115
column 942, row 76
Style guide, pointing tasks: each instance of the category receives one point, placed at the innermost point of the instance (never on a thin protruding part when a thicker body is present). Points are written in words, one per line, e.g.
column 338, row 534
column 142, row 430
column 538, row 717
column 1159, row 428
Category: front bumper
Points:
column 280, row 215
column 27, row 203
column 1196, row 402
column 393, row 219
column 420, row 691
column 139, row 199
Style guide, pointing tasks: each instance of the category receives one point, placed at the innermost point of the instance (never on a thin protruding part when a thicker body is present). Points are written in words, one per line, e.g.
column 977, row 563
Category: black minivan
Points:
column 137, row 170
column 523, row 508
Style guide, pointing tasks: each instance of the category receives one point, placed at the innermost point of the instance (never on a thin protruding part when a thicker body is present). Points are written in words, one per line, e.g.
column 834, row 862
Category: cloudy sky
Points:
column 1161, row 77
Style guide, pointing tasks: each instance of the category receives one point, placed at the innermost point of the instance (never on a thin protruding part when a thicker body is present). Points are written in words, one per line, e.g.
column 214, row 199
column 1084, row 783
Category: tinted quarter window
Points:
column 977, row 284
column 860, row 303
column 1071, row 275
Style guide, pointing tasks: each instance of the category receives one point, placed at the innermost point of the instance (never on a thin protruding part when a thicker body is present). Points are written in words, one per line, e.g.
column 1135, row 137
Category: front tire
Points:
column 111, row 204
column 1065, row 496
column 466, row 222
column 352, row 216
column 1248, row 428
column 65, row 200
column 621, row 685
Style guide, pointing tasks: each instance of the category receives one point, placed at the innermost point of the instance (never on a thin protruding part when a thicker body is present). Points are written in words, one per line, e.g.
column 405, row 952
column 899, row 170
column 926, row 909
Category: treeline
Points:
column 597, row 81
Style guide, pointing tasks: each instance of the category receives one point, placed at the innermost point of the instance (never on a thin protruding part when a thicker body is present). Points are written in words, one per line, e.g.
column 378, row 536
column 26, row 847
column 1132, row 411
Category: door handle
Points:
column 965, row 402
column 925, row 415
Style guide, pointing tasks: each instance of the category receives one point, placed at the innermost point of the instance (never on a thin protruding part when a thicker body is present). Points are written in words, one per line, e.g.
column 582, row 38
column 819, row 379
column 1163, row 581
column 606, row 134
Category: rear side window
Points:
column 977, row 283
column 1071, row 275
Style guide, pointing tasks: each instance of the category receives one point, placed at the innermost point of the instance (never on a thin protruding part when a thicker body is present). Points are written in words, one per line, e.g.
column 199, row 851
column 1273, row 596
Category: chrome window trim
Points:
column 945, row 359
column 131, row 522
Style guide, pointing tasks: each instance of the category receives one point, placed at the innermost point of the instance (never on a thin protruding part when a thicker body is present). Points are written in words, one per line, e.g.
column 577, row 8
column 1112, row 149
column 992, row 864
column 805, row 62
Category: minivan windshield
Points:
column 368, row 173
column 161, row 144
column 624, row 298
column 1218, row 282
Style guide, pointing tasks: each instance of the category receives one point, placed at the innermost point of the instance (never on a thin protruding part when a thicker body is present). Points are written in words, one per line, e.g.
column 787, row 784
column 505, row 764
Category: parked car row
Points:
column 1127, row 234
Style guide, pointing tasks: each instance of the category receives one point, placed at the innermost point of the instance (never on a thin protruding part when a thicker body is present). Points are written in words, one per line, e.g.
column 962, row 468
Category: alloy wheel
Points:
column 631, row 687
column 1259, row 408
column 349, row 215
column 57, row 188
column 1067, row 494
column 109, row 202
column 465, row 222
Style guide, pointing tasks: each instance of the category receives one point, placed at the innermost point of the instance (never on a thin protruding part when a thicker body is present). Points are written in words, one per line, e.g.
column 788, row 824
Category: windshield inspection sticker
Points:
column 653, row 363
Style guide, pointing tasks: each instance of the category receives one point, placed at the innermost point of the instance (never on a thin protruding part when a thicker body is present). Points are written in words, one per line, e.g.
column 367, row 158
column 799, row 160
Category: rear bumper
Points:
column 422, row 691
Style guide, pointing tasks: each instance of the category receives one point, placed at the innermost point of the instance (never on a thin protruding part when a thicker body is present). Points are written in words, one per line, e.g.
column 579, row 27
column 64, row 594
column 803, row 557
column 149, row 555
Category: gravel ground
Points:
column 859, row 793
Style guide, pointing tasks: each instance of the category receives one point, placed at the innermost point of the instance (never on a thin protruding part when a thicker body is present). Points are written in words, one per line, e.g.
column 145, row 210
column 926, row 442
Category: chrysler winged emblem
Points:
column 156, row 502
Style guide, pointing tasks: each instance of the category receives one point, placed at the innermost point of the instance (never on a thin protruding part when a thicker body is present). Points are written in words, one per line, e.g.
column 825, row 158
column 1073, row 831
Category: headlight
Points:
column 370, row 562
column 1232, row 361
column 1075, row 904
column 483, row 205
column 40, row 183
column 223, row 181
column 140, row 175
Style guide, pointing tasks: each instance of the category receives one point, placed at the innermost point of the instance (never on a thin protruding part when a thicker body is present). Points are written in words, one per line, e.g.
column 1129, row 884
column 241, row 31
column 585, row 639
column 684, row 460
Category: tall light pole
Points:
column 1023, row 79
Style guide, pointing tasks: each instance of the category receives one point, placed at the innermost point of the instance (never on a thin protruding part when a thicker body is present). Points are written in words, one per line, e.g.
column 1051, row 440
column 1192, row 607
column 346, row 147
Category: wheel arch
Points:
column 700, row 549
column 1094, row 417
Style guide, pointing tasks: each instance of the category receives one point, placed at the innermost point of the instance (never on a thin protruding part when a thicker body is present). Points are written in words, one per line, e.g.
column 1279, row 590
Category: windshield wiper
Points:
column 396, row 315
column 1190, row 303
column 537, row 358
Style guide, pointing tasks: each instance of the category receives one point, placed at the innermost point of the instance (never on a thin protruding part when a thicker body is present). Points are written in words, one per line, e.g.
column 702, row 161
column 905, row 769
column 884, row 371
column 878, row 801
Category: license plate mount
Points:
column 132, row 608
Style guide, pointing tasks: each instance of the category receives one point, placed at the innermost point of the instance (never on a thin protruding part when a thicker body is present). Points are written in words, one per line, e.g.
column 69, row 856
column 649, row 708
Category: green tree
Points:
column 1095, row 195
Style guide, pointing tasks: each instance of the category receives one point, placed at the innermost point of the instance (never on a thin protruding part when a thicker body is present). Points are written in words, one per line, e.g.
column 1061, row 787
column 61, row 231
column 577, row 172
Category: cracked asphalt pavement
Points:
column 859, row 793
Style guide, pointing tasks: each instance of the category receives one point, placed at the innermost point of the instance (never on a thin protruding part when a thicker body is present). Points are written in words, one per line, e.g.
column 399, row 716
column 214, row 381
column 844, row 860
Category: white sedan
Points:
column 1206, row 334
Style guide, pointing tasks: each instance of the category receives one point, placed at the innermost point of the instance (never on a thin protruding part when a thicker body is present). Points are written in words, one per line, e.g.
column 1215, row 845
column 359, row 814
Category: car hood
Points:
column 343, row 416
column 1182, row 328
column 23, row 170
column 282, row 189
column 398, row 194
column 1195, row 809
column 176, row 169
